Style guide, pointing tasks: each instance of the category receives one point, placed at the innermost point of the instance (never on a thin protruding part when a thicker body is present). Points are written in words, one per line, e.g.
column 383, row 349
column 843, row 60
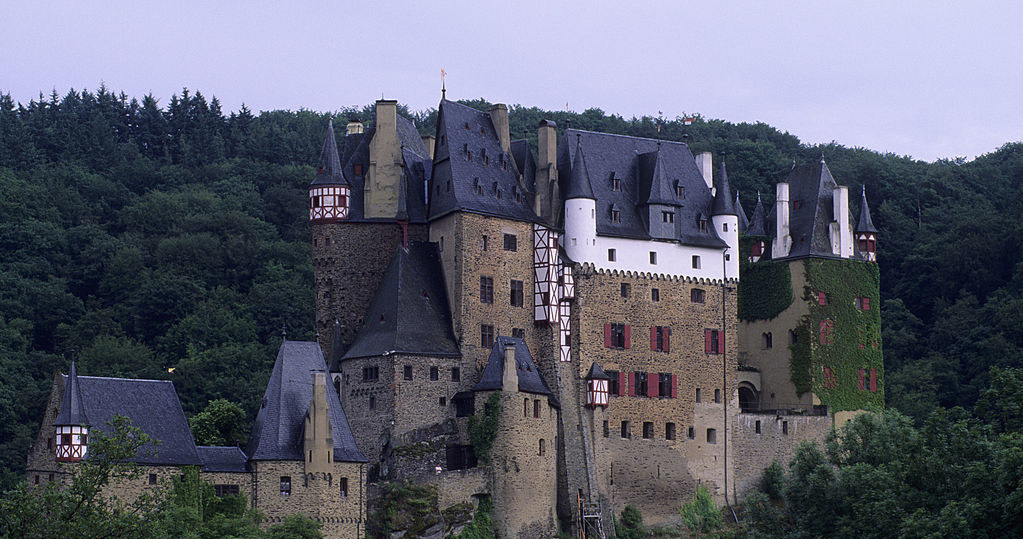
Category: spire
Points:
column 758, row 222
column 328, row 171
column 72, row 408
column 743, row 221
column 864, row 224
column 655, row 186
column 579, row 182
column 723, row 197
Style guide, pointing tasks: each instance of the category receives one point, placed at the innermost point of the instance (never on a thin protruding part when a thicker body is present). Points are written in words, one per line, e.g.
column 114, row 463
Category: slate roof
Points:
column 530, row 380
column 758, row 223
column 741, row 213
column 469, row 173
column 279, row 428
column 222, row 459
column 812, row 187
column 607, row 156
column 864, row 224
column 596, row 373
column 72, row 407
column 523, row 155
column 337, row 347
column 410, row 312
column 654, row 184
column 722, row 195
column 152, row 405
column 579, row 179
column 416, row 160
column 328, row 171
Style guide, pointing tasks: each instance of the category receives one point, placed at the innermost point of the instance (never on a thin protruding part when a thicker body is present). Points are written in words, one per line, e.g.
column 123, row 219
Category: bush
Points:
column 773, row 481
column 631, row 524
column 702, row 513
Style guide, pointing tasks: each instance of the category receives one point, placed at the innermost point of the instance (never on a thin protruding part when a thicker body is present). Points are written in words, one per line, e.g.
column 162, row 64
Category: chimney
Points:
column 354, row 128
column 510, row 381
column 546, row 167
column 430, row 142
column 499, row 116
column 319, row 439
column 782, row 240
column 380, row 187
column 387, row 115
column 705, row 162
column 840, row 197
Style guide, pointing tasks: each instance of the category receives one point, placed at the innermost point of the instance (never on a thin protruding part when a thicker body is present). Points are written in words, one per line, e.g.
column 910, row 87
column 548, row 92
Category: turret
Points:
column 658, row 201
column 757, row 230
column 596, row 387
column 71, row 424
column 329, row 191
column 726, row 223
column 741, row 213
column 580, row 210
column 866, row 234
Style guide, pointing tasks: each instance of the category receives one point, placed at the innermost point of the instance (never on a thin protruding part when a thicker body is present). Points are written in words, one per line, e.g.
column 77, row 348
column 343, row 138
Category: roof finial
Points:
column 822, row 156
column 443, row 84
column 758, row 196
column 284, row 331
column 864, row 190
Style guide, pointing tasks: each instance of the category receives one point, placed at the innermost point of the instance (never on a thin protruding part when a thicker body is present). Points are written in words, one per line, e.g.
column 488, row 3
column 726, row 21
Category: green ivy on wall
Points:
column 765, row 288
column 483, row 429
column 830, row 366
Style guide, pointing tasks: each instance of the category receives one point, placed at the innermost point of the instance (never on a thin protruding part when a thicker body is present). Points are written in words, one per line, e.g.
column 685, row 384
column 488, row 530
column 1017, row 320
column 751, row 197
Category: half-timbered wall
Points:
column 328, row 202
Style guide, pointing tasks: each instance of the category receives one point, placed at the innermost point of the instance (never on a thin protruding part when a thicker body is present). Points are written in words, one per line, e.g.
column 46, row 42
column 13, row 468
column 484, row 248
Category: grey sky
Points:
column 927, row 79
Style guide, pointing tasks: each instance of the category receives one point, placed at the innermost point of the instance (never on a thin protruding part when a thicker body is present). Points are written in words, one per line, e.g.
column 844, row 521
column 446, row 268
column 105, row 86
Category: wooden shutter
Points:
column 674, row 387
column 706, row 341
column 623, row 383
column 632, row 384
column 628, row 337
column 822, row 298
column 607, row 335
column 866, row 304
column 667, row 339
column 873, row 380
column 861, row 379
column 653, row 337
column 653, row 384
column 721, row 341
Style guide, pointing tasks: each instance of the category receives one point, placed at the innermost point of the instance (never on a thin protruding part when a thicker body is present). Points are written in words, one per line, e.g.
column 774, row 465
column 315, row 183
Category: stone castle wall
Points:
column 317, row 497
column 778, row 439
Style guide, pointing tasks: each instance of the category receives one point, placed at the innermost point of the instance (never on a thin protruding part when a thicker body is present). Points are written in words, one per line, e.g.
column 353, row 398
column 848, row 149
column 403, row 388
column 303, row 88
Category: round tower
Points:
column 866, row 234
column 329, row 191
column 580, row 211
column 71, row 424
column 726, row 223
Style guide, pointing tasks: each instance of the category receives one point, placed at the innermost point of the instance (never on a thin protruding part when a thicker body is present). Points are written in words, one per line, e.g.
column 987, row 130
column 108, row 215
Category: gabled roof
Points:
column 279, row 428
column 596, row 373
column 329, row 172
column 409, row 313
column 758, row 224
column 864, row 224
column 812, row 187
column 654, row 185
column 222, row 459
column 468, row 154
column 741, row 213
column 610, row 156
column 72, row 406
column 530, row 380
column 151, row 405
column 722, row 195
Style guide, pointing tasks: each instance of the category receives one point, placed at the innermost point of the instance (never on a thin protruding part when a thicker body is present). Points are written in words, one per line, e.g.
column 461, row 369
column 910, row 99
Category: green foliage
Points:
column 402, row 506
column 295, row 527
column 222, row 423
column 773, row 480
column 1001, row 405
column 855, row 341
column 630, row 526
column 483, row 430
column 701, row 514
column 482, row 525
column 765, row 288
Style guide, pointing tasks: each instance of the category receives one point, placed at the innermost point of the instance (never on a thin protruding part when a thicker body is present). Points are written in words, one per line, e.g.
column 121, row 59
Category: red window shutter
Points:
column 674, row 387
column 632, row 384
column 667, row 339
column 653, row 337
column 721, row 342
column 706, row 341
column 861, row 380
column 628, row 337
column 623, row 383
column 866, row 304
column 652, row 384
column 822, row 299
column 607, row 335
column 873, row 380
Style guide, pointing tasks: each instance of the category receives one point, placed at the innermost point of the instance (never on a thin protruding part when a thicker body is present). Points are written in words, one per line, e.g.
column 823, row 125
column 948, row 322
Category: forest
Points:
column 170, row 240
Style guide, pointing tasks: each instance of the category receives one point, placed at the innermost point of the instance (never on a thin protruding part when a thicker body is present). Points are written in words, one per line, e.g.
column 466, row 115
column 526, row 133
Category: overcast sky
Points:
column 927, row 79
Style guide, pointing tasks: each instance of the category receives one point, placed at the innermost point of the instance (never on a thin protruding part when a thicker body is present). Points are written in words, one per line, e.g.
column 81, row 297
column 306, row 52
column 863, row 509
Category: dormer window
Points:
column 467, row 125
column 616, row 183
column 680, row 191
column 486, row 158
column 357, row 169
column 796, row 204
column 702, row 223
column 616, row 216
column 667, row 217
column 476, row 186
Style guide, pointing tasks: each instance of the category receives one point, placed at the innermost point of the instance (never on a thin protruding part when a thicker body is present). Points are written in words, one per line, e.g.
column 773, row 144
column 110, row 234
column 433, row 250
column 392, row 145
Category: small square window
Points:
column 434, row 373
column 443, row 401
column 511, row 242
column 408, row 372
column 655, row 294
column 697, row 295
column 626, row 290
column 712, row 436
column 653, row 257
column 152, row 479
column 610, row 255
column 456, row 374
column 667, row 217
column 648, row 430
column 669, row 431
column 518, row 333
column 285, row 485
column 696, row 261
column 486, row 335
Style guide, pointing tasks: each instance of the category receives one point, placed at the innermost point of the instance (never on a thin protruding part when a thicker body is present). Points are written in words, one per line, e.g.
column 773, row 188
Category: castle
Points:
column 457, row 272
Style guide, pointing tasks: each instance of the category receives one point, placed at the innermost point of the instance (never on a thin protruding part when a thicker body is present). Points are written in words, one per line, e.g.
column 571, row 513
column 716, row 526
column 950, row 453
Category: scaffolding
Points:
column 590, row 520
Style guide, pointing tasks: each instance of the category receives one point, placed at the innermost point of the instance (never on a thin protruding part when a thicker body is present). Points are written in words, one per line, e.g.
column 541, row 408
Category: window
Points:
column 344, row 487
column 696, row 261
column 796, row 204
column 827, row 331
column 724, row 227
column 486, row 289
column 648, row 429
column 460, row 457
column 540, row 452
column 51, row 477
column 372, row 402
column 518, row 333
column 465, row 404
column 370, row 374
column 616, row 184
column 653, row 257
column 865, row 383
column 664, row 386
column 626, row 290
column 456, row 374
column 408, row 372
column 152, row 479
column 697, row 295
column 702, row 223
column 784, row 427
column 434, row 374
column 714, row 341
column 680, row 191
column 511, row 242
column 863, row 303
column 640, row 384
column 616, row 336
column 698, row 399
column 612, row 386
column 484, row 242
column 516, row 293
column 717, row 396
column 442, row 401
column 326, row 242
column 610, row 255
column 224, row 490
column 669, row 431
column 525, row 407
column 536, row 408
column 607, row 429
column 285, row 485
column 49, row 443
column 442, row 244
column 712, row 436
column 822, row 298
column 358, row 169
column 625, row 429
column 655, row 294
column 767, row 340
column 616, row 216
column 758, row 426
column 692, row 433
column 660, row 338
column 667, row 217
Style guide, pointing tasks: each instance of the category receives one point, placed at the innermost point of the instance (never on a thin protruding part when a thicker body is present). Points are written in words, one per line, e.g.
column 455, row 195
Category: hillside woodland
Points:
column 170, row 240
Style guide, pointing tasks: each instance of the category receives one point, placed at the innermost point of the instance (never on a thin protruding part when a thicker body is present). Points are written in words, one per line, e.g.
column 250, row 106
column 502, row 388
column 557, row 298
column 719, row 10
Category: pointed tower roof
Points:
column 758, row 224
column 864, row 224
column 596, row 373
column 579, row 182
column 328, row 171
column 743, row 221
column 530, row 380
column 655, row 186
column 72, row 407
column 723, row 196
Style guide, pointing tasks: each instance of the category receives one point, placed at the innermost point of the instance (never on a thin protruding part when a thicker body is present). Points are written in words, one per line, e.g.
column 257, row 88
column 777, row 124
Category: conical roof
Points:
column 579, row 182
column 328, row 171
column 864, row 224
column 743, row 221
column 758, row 224
column 655, row 186
column 596, row 373
column 723, row 196
column 72, row 407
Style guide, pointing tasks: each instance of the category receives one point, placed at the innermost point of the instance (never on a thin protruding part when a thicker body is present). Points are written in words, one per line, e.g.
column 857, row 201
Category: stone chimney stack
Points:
column 430, row 142
column 499, row 116
column 319, row 438
column 546, row 168
column 510, row 381
column 354, row 128
column 843, row 236
column 782, row 239
column 385, row 162
column 705, row 162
